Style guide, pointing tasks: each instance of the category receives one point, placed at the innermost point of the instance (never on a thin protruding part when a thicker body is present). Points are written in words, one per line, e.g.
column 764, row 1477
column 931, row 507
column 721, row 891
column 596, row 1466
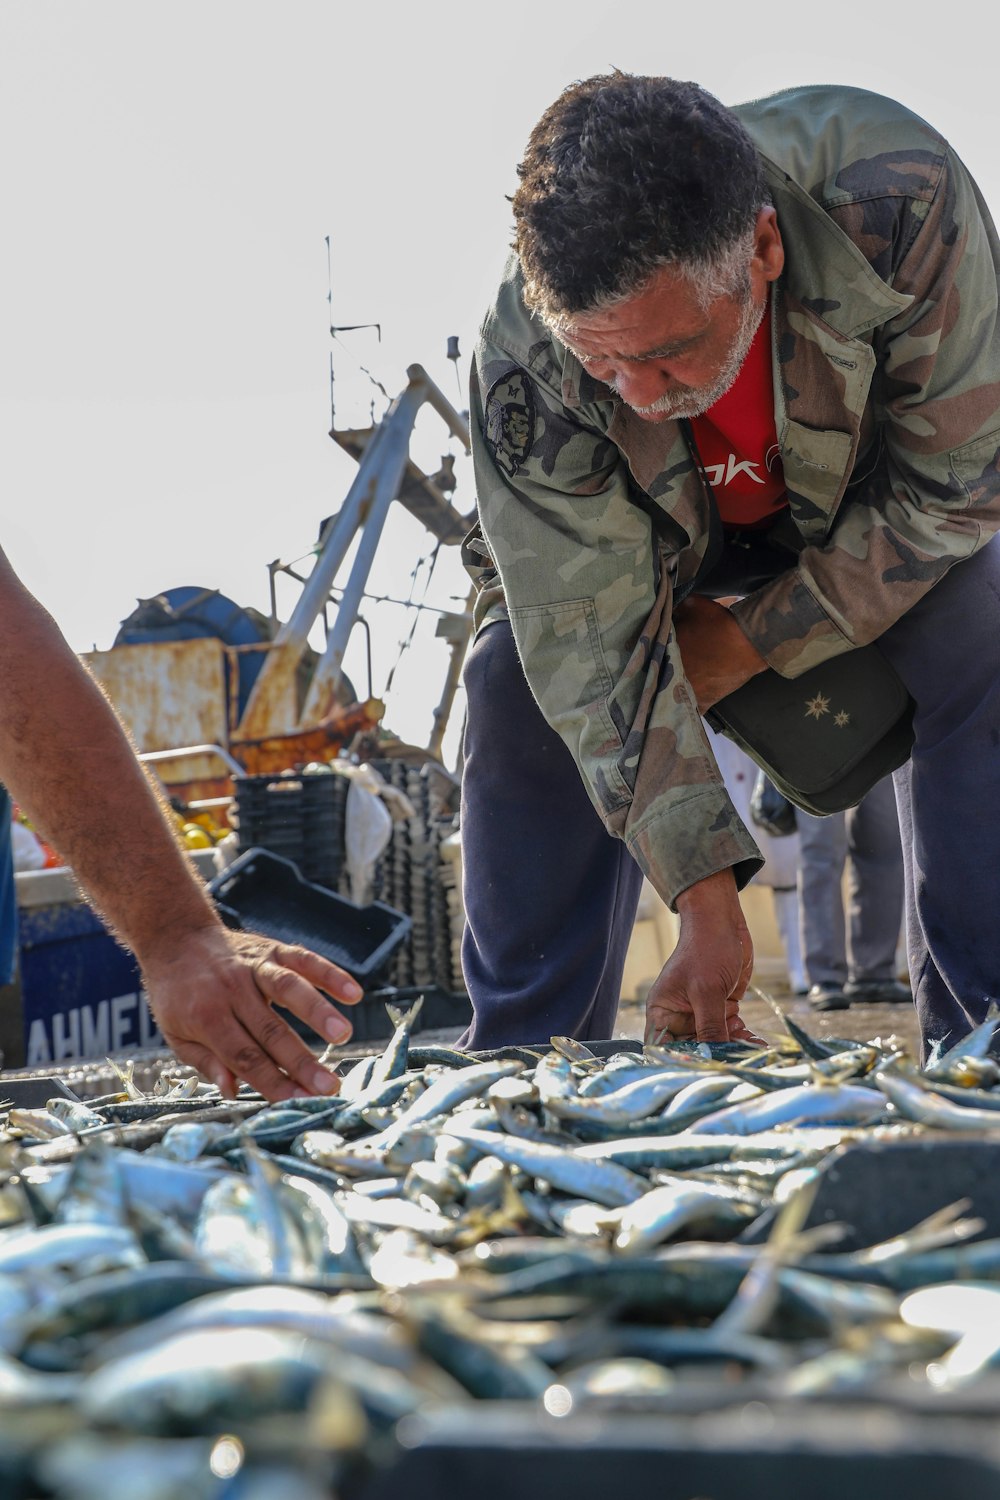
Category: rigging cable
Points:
column 405, row 645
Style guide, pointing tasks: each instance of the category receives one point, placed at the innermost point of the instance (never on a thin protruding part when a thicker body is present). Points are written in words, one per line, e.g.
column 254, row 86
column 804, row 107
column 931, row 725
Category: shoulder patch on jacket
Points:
column 509, row 420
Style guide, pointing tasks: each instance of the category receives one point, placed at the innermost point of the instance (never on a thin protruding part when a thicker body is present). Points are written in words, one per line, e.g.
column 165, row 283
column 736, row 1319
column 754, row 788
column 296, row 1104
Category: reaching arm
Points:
column 594, row 629
column 591, row 612
column 68, row 762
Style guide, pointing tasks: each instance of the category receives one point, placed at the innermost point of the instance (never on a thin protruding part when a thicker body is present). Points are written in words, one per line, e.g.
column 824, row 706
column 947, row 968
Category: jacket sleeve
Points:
column 590, row 604
column 932, row 497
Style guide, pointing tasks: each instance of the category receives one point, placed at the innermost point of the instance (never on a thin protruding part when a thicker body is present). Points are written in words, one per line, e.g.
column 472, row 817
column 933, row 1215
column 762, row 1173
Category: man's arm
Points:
column 68, row 762
column 934, row 496
column 591, row 613
column 590, row 606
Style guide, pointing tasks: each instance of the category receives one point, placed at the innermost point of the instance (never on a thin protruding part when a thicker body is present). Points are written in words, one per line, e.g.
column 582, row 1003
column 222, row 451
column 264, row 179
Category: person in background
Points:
column 69, row 764
column 855, row 960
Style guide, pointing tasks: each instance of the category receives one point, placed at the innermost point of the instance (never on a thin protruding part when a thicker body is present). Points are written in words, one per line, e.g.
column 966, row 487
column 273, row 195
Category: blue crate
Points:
column 81, row 991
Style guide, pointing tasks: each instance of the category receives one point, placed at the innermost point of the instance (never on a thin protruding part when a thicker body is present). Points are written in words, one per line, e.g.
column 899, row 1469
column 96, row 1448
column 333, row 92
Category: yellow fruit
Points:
column 195, row 837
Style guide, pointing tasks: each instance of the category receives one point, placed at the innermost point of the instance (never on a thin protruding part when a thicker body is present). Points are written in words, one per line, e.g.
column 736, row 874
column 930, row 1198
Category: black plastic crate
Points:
column 876, row 1189
column 442, row 1010
column 756, row 1451
column 299, row 816
column 263, row 892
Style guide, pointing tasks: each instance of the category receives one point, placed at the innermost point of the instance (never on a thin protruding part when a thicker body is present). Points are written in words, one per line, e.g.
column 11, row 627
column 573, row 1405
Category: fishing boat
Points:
column 233, row 711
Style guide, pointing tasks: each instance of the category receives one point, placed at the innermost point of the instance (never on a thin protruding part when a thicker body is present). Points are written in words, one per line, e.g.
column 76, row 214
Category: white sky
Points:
column 168, row 177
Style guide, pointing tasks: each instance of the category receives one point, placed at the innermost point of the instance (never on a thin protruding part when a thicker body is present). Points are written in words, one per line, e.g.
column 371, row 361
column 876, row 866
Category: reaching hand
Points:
column 212, row 1000
column 698, row 991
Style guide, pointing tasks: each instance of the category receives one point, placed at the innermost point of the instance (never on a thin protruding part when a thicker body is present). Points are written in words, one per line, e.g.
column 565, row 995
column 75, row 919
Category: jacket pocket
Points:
column 976, row 466
column 564, row 641
column 563, row 657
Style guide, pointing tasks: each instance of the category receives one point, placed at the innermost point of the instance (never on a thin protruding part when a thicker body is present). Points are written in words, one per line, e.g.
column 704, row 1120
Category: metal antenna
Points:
column 329, row 318
column 337, row 328
column 350, row 328
column 454, row 356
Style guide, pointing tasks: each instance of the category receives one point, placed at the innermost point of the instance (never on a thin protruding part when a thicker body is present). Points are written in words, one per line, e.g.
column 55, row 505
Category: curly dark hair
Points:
column 624, row 174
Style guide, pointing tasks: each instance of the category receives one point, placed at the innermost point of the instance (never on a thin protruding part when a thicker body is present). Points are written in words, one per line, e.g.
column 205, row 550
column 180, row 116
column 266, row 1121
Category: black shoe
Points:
column 828, row 997
column 878, row 991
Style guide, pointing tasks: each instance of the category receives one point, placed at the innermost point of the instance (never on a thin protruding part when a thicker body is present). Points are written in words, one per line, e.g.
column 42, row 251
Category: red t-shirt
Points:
column 737, row 441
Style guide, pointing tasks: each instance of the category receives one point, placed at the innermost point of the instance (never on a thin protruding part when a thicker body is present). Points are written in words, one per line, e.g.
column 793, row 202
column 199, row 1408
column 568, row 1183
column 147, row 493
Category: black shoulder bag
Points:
column 824, row 739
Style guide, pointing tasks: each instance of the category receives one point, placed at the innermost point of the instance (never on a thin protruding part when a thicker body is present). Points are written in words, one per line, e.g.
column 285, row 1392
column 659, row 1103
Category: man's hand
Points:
column 718, row 658
column 212, row 997
column 698, row 991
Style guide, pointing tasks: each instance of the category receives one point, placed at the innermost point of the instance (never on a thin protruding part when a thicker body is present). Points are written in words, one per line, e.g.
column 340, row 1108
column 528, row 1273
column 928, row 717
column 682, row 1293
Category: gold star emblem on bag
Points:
column 842, row 719
column 817, row 707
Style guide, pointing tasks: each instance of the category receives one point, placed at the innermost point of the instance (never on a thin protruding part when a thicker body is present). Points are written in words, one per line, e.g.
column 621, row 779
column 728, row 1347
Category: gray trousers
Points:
column 866, row 838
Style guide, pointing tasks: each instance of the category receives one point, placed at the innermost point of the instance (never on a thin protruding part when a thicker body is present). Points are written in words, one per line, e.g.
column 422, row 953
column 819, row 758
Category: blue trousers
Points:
column 550, row 897
column 947, row 651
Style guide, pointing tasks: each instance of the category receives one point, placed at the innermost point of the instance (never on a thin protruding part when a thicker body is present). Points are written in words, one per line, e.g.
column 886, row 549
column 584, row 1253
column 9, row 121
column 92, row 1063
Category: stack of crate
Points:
column 416, row 876
column 302, row 816
column 297, row 815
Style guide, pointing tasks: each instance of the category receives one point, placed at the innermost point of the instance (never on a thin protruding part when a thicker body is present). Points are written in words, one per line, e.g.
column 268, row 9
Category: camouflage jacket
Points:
column 886, row 361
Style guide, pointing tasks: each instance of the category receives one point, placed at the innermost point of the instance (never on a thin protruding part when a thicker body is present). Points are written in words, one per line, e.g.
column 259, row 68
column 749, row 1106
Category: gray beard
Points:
column 694, row 401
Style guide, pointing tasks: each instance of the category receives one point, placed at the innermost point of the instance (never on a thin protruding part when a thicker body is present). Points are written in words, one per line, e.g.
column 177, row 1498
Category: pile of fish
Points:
column 207, row 1298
